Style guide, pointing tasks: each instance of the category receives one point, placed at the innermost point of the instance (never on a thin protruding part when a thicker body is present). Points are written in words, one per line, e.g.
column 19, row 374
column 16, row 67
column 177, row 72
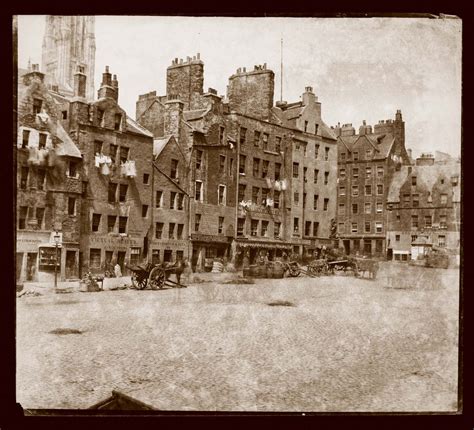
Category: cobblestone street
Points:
column 346, row 345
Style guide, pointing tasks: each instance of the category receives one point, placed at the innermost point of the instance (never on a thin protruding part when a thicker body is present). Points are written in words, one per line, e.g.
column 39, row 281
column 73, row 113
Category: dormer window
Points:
column 42, row 140
column 100, row 116
column 26, row 138
column 118, row 121
column 37, row 105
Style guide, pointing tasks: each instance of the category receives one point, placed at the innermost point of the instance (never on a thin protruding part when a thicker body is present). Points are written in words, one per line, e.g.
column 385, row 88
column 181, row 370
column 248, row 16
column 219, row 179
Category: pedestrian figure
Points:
column 246, row 260
column 118, row 271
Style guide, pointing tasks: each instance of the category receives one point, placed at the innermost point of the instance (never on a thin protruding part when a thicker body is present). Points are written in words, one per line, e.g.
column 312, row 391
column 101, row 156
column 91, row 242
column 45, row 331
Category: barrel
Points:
column 278, row 270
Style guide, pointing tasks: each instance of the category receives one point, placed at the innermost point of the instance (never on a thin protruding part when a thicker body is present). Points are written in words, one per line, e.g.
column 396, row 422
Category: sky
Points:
column 360, row 69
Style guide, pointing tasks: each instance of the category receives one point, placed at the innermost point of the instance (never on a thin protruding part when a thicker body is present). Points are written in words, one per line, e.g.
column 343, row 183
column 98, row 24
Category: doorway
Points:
column 121, row 261
column 347, row 246
column 71, row 267
column 167, row 256
column 31, row 259
column 389, row 254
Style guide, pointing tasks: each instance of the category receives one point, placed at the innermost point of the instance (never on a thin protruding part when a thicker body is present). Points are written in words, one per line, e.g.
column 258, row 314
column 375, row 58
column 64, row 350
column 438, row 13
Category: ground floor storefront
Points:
column 254, row 251
column 363, row 245
column 207, row 248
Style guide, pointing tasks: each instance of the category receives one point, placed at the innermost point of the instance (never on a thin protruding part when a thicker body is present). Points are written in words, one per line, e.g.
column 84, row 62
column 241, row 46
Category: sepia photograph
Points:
column 238, row 214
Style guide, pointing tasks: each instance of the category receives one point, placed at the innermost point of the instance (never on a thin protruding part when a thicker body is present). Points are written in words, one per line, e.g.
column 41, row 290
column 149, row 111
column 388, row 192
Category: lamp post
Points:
column 56, row 237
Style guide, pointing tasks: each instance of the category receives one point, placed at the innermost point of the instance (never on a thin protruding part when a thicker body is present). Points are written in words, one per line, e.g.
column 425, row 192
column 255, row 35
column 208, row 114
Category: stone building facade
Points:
column 69, row 43
column 49, row 190
column 424, row 208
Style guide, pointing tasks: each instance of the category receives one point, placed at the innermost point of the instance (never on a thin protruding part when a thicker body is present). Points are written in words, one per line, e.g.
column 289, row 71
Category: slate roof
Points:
column 67, row 146
column 137, row 128
column 192, row 115
column 159, row 144
column 382, row 143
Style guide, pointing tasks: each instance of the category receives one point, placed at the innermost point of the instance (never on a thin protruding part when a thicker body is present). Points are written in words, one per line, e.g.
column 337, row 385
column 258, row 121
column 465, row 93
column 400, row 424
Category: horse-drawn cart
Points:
column 156, row 276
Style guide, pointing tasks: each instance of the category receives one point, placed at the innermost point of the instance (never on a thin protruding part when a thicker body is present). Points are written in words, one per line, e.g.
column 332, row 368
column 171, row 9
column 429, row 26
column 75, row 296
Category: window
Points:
column 428, row 221
column 398, row 217
column 406, row 199
column 24, row 177
column 414, row 221
column 100, row 116
column 197, row 222
column 95, row 222
column 355, row 190
column 198, row 159
column 343, row 156
column 123, row 154
column 241, row 192
column 264, row 196
column 368, row 172
column 315, row 228
column 355, row 208
column 380, row 172
column 39, row 217
column 296, row 168
column 368, row 153
column 73, row 171
column 367, row 246
column 159, row 230
column 123, row 192
column 379, row 207
column 342, row 173
column 265, row 141
column 221, row 135
column 316, row 174
column 155, row 256
column 441, row 240
column 296, row 198
column 378, row 227
column 117, row 121
column 379, row 189
column 98, row 146
column 444, row 199
column 355, row 173
column 240, row 226
column 220, row 225
column 134, row 256
column 180, row 231
column 342, row 191
column 277, row 143
column 442, row 221
column 315, row 202
column 354, row 227
column 277, row 171
column 296, row 225
column 242, row 135
column 172, row 199
column 22, row 217
column 306, row 126
column 276, row 199
column 221, row 163
column 255, row 194
column 146, row 178
column 26, row 138
column 94, row 258
column 42, row 140
column 276, row 229
column 307, row 228
column 454, row 180
column 264, row 228
column 144, row 211
column 113, row 152
column 256, row 138
column 297, row 145
column 342, row 209
column 242, row 160
column 254, row 227
column 64, row 114
column 326, row 204
column 159, row 199
column 304, row 200
column 231, row 167
column 198, row 194
column 171, row 230
column 355, row 155
column 367, row 226
column 413, row 237
column 174, row 169
column 413, row 180
column 367, row 207
column 341, row 227
column 416, row 200
column 441, row 181
column 37, row 105
column 180, row 201
column 221, row 195
column 326, row 178
column 123, row 224
column 111, row 220
column 256, row 167
column 316, row 126
column 368, row 190
column 326, row 154
column 71, row 206
column 265, row 168
column 316, row 150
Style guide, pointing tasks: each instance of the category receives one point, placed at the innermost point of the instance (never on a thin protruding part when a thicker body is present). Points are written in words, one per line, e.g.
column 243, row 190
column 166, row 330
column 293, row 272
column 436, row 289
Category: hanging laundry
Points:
column 278, row 185
column 283, row 184
column 33, row 156
column 42, row 156
column 269, row 182
column 123, row 169
column 131, row 169
column 97, row 160
column 104, row 169
column 269, row 202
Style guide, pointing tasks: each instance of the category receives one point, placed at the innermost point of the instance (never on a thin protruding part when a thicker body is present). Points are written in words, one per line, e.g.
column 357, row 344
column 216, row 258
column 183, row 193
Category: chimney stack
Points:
column 80, row 82
column 108, row 88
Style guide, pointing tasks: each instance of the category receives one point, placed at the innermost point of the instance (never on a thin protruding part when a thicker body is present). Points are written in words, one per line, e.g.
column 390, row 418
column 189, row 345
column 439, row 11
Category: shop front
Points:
column 168, row 250
column 206, row 248
column 254, row 249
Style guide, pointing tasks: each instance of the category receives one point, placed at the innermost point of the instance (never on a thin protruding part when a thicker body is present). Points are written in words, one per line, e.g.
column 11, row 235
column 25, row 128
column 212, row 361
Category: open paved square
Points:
column 347, row 344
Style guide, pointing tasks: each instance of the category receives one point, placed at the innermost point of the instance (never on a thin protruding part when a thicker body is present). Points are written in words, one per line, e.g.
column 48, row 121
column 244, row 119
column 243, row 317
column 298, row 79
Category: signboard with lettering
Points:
column 197, row 237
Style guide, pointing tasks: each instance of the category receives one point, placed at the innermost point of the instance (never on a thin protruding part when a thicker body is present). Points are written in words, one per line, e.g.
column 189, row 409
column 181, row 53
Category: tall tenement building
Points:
column 69, row 43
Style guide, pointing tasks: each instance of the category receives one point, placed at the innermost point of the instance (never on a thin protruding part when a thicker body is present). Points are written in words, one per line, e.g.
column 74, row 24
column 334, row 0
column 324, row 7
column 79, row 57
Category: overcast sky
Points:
column 359, row 68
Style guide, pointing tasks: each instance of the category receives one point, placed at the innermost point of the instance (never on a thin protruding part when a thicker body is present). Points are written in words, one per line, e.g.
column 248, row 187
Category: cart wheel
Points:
column 138, row 282
column 313, row 270
column 294, row 272
column 157, row 278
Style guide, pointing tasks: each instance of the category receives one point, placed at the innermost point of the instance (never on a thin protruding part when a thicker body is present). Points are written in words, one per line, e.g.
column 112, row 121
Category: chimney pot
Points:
column 106, row 69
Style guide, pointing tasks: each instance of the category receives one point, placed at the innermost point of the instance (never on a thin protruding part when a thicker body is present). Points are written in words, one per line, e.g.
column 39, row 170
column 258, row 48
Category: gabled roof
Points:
column 382, row 143
column 159, row 145
column 67, row 147
column 192, row 115
column 137, row 128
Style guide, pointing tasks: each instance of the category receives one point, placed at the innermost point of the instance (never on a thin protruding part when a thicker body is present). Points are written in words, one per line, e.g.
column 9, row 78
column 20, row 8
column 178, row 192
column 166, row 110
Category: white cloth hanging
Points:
column 104, row 169
column 278, row 185
column 269, row 182
column 33, row 156
column 123, row 169
column 283, row 184
column 269, row 202
column 97, row 160
column 131, row 170
column 42, row 155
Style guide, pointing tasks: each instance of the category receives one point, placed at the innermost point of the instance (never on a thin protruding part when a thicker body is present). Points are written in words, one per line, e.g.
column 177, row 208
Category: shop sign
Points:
column 116, row 241
column 209, row 238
